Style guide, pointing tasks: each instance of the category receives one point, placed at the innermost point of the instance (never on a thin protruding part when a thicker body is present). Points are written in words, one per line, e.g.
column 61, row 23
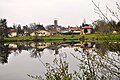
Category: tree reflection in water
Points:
column 37, row 50
column 97, row 62
column 4, row 53
column 101, row 63
column 60, row 69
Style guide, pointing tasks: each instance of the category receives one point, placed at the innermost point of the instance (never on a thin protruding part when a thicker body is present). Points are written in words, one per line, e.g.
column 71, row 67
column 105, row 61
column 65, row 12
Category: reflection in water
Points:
column 4, row 53
column 97, row 61
column 100, row 63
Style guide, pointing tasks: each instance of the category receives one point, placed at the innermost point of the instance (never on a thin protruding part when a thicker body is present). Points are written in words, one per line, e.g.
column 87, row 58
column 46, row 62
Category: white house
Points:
column 88, row 28
column 12, row 32
column 40, row 33
column 40, row 45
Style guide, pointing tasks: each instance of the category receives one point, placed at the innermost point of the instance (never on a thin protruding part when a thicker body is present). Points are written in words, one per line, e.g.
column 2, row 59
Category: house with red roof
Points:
column 87, row 29
column 71, row 30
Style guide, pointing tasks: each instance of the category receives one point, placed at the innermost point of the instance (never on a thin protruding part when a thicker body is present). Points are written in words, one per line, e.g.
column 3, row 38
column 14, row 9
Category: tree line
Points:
column 103, row 27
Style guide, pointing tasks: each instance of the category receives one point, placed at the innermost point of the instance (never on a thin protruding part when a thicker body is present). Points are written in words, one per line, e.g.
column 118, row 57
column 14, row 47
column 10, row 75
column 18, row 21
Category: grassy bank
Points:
column 65, row 37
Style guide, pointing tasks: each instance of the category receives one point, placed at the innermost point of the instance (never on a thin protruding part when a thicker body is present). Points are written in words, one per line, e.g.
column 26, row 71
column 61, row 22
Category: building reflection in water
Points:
column 35, row 48
column 101, row 58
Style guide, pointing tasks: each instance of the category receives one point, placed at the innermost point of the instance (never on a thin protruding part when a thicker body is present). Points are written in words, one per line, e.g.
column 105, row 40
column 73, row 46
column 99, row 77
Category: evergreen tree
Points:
column 3, row 29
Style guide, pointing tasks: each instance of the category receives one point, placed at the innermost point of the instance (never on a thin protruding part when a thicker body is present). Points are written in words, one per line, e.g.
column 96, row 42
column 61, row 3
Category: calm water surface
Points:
column 20, row 59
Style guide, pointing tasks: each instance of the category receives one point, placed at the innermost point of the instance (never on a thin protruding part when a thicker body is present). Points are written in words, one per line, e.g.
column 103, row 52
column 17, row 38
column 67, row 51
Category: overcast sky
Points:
column 67, row 12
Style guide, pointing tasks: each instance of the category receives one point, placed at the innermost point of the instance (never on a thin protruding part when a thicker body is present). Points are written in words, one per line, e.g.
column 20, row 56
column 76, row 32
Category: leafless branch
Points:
column 115, row 14
column 98, row 8
column 102, row 15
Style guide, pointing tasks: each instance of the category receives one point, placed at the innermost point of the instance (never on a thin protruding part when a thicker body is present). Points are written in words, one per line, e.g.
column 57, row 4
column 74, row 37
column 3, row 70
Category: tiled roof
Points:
column 73, row 29
column 12, row 30
column 87, row 27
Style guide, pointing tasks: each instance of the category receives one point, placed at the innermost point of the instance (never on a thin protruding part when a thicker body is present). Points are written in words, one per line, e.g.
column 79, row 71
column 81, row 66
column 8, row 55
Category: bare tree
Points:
column 104, row 17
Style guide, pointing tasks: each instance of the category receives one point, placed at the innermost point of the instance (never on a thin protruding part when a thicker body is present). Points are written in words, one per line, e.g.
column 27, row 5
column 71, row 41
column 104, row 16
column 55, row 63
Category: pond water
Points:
column 99, row 59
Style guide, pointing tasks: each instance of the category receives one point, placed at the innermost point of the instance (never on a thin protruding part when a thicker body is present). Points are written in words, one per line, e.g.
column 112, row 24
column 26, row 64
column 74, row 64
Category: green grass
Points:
column 89, row 37
column 21, row 38
column 110, row 37
column 67, row 37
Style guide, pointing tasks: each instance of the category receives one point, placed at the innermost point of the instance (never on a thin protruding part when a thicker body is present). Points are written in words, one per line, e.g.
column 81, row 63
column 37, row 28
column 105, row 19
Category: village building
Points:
column 87, row 29
column 71, row 30
column 27, row 32
column 77, row 30
column 12, row 32
column 54, row 29
column 40, row 33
